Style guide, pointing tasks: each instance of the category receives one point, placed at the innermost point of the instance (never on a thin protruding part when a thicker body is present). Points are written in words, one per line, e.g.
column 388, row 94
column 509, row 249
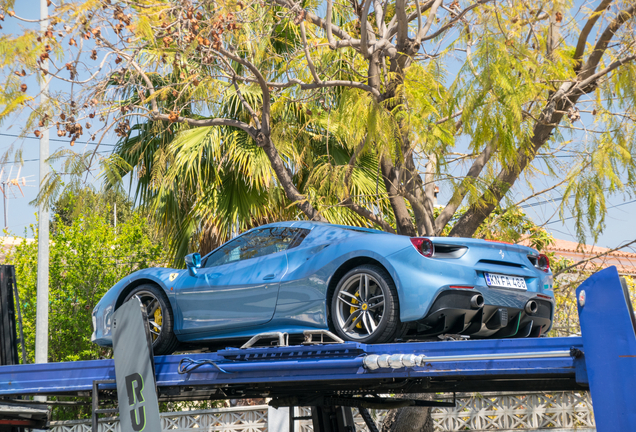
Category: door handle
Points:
column 269, row 277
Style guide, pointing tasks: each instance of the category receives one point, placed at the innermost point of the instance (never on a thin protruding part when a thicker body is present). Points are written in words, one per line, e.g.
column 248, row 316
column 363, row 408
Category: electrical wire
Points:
column 572, row 217
column 55, row 139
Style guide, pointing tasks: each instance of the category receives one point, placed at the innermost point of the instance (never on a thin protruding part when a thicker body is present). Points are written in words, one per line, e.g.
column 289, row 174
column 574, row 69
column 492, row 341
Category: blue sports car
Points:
column 365, row 285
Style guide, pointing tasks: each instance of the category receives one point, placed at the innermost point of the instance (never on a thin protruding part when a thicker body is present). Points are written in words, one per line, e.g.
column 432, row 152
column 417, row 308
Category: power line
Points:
column 572, row 217
column 35, row 160
column 54, row 139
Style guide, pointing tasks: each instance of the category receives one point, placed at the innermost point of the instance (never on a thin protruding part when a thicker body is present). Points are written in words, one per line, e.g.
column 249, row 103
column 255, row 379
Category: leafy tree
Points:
column 87, row 257
column 410, row 84
column 74, row 202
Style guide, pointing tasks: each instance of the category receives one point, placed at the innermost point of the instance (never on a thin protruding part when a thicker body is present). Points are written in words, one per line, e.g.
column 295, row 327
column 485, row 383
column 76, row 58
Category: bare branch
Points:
column 345, row 39
column 452, row 22
column 429, row 22
column 266, row 109
column 379, row 16
column 582, row 85
column 393, row 25
column 602, row 43
column 310, row 63
column 459, row 194
column 332, row 41
column 207, row 122
column 364, row 32
column 402, row 23
column 594, row 257
column 368, row 215
column 587, row 28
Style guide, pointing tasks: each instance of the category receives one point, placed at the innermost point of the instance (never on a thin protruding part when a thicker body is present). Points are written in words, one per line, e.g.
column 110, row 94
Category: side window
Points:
column 256, row 244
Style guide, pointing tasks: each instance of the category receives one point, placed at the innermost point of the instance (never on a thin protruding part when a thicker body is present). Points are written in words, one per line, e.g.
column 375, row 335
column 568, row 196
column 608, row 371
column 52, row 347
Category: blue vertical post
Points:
column 609, row 344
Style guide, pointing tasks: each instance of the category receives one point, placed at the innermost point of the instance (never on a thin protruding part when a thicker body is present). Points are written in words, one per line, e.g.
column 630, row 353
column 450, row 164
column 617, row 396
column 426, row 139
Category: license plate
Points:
column 504, row 281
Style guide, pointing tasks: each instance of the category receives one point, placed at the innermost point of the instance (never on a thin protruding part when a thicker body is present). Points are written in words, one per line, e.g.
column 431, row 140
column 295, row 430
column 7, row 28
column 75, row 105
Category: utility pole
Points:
column 4, row 194
column 42, row 312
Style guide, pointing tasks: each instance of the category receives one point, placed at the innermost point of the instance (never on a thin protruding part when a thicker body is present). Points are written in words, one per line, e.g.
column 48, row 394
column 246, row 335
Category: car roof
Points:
column 313, row 224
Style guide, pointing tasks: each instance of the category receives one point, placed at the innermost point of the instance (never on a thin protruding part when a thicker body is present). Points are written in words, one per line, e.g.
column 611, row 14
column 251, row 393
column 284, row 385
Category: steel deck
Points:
column 337, row 367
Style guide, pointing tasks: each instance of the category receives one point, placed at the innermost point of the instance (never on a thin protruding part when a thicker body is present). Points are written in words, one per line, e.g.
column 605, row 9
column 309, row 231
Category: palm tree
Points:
column 203, row 184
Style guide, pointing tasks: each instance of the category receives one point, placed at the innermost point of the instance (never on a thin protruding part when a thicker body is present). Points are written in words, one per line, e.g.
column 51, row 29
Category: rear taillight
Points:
column 423, row 246
column 543, row 263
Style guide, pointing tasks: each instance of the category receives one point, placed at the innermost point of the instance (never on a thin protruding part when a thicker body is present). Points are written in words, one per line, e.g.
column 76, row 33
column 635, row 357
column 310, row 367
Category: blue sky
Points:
column 620, row 221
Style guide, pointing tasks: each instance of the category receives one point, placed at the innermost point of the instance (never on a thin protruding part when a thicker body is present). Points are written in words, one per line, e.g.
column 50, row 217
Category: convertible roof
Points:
column 311, row 224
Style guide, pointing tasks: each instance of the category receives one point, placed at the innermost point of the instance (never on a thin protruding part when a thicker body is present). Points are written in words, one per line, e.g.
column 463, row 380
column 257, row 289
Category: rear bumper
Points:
column 502, row 315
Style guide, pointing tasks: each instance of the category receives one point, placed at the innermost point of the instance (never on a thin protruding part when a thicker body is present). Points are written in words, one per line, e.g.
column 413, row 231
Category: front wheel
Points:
column 159, row 316
column 364, row 306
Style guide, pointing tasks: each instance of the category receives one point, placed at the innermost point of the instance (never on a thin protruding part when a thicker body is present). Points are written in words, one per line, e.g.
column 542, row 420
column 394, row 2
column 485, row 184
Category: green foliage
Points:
column 485, row 77
column 87, row 257
column 73, row 203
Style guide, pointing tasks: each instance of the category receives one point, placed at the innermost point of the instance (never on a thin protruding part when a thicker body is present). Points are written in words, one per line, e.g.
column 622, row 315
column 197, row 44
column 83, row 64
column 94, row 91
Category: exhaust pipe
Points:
column 477, row 301
column 532, row 307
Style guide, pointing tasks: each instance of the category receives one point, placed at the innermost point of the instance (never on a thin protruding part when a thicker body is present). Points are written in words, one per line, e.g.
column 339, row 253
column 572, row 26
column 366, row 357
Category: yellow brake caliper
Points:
column 158, row 320
column 352, row 309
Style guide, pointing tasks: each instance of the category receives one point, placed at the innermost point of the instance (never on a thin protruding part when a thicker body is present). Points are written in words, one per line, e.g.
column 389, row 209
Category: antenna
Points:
column 7, row 185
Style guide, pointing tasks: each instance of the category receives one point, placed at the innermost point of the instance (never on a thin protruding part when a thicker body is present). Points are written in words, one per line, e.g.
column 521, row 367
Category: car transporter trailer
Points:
column 332, row 378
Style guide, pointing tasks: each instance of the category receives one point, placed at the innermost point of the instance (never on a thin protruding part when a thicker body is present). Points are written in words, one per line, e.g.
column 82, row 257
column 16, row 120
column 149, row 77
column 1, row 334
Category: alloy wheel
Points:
column 154, row 313
column 360, row 306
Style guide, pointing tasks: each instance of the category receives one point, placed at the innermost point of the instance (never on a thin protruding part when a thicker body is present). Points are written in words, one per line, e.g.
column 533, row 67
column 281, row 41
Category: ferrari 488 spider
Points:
column 365, row 285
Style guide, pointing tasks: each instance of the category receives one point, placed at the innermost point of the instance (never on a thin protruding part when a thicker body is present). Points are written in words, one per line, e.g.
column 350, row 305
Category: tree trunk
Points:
column 402, row 216
column 410, row 419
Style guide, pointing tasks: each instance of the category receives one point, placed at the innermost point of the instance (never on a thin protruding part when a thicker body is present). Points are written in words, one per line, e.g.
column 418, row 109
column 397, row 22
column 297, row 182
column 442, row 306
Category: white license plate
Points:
column 504, row 281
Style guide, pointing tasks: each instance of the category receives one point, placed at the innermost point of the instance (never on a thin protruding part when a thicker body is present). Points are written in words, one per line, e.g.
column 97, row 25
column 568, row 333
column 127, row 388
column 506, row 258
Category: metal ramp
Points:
column 328, row 377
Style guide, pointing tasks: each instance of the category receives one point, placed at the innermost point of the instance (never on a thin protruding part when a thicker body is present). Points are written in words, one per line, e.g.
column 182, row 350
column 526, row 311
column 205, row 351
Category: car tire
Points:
column 162, row 335
column 376, row 298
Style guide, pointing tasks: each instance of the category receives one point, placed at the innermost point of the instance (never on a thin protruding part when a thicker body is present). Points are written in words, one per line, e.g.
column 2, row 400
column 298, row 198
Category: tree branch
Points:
column 206, row 122
column 594, row 257
column 429, row 22
column 402, row 24
column 345, row 39
column 368, row 215
column 459, row 194
column 310, row 63
column 587, row 28
column 602, row 43
column 582, row 85
column 393, row 25
column 364, row 33
column 330, row 39
column 452, row 22
column 266, row 109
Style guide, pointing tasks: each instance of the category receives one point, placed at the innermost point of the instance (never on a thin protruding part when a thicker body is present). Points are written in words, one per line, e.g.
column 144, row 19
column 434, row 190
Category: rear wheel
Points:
column 159, row 316
column 364, row 306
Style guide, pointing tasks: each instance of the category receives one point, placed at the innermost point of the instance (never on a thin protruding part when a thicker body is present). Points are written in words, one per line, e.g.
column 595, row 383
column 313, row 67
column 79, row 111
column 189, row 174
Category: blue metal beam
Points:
column 334, row 363
column 609, row 340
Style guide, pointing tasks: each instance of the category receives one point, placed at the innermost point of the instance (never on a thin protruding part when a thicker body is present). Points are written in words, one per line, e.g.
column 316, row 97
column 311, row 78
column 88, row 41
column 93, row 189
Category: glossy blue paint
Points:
column 609, row 339
column 288, row 289
column 230, row 296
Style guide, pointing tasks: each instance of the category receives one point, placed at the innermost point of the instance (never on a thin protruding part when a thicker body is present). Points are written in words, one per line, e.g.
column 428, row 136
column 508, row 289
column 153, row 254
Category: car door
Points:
column 238, row 283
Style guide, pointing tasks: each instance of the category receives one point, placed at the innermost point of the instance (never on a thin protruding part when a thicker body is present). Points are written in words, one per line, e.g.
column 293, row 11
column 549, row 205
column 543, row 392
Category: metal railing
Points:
column 536, row 411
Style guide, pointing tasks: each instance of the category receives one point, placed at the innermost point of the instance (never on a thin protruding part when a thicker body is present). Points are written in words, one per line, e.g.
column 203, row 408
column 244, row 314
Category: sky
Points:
column 620, row 221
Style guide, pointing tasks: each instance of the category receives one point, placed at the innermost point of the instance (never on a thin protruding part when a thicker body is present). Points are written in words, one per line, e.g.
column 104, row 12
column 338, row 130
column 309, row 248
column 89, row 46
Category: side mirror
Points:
column 193, row 262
